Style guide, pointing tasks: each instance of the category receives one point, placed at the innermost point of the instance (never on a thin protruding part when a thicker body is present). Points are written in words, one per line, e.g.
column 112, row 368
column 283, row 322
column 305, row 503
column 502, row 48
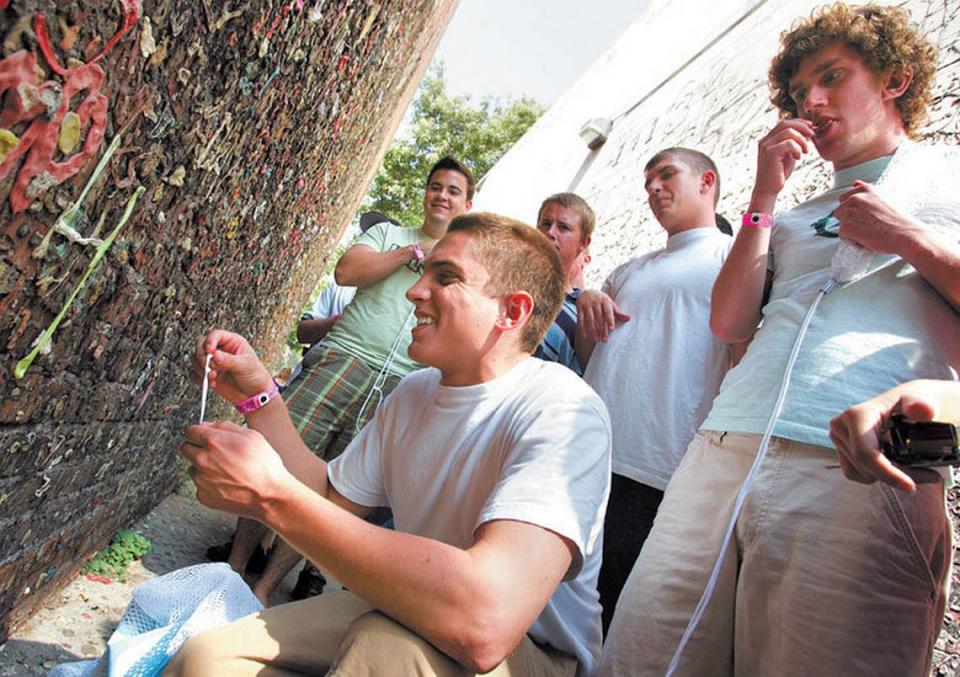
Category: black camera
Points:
column 925, row 444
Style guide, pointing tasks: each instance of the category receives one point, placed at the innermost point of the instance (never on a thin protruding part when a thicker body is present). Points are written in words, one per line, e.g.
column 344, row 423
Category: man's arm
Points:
column 311, row 331
column 854, row 432
column 597, row 316
column 742, row 287
column 868, row 220
column 236, row 375
column 474, row 604
column 362, row 264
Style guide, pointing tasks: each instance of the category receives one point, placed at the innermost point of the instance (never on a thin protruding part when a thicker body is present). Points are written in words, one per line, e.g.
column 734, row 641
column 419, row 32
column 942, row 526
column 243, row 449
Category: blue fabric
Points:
column 558, row 344
column 162, row 615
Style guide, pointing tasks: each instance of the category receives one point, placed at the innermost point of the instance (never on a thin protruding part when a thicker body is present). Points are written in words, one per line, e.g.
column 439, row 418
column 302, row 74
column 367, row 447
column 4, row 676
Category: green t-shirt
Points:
column 380, row 317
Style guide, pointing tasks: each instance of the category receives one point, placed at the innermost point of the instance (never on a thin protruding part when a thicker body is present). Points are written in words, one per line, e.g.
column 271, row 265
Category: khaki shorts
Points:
column 825, row 576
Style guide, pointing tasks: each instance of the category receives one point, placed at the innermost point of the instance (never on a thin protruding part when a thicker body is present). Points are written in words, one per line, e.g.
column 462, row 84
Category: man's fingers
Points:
column 858, row 188
column 620, row 316
column 888, row 473
column 917, row 409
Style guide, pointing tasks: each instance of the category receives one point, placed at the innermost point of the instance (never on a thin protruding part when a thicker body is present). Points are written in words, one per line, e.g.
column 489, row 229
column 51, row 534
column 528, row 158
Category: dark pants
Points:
column 630, row 513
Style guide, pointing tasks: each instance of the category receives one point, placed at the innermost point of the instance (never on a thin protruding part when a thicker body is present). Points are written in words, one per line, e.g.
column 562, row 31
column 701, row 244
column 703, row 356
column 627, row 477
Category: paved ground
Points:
column 77, row 622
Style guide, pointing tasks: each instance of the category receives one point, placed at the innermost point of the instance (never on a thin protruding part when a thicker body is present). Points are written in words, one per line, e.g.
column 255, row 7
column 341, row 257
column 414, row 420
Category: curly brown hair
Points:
column 883, row 36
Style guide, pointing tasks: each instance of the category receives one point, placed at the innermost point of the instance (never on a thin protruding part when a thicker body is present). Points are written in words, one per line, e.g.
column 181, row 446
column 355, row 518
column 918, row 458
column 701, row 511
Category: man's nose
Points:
column 814, row 98
column 417, row 292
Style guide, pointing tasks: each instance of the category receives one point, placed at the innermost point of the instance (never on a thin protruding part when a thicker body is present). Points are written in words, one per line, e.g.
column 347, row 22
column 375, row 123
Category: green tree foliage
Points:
column 477, row 134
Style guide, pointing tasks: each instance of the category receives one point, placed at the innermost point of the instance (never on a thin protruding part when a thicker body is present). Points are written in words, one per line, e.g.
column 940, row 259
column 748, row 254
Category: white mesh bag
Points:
column 162, row 615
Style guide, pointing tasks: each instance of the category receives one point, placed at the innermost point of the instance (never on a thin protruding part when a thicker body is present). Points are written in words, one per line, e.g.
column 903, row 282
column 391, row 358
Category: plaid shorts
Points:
column 326, row 399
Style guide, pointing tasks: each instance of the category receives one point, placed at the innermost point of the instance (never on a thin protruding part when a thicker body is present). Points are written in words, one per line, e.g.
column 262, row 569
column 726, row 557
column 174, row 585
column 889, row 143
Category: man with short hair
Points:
column 822, row 575
column 650, row 355
column 568, row 221
column 495, row 465
column 363, row 356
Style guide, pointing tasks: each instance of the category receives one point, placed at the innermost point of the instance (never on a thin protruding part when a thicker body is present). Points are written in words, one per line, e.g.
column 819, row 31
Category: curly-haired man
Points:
column 822, row 575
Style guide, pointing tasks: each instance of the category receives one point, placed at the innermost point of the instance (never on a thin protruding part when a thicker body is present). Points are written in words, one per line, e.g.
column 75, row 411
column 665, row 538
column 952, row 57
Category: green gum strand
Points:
column 69, row 215
column 21, row 369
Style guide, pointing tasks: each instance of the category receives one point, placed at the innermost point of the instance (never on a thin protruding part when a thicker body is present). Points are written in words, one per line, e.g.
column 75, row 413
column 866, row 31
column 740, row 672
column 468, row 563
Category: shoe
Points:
column 310, row 583
column 220, row 553
column 256, row 564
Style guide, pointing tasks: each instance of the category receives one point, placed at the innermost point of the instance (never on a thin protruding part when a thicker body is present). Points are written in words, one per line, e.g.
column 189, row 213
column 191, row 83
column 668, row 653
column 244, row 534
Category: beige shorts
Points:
column 825, row 576
column 338, row 633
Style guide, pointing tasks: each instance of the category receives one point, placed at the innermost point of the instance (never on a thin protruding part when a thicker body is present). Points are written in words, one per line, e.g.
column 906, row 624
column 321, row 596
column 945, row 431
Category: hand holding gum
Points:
column 205, row 387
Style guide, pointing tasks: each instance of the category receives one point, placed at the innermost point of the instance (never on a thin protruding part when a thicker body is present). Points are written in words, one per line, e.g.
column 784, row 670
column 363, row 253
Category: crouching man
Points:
column 495, row 465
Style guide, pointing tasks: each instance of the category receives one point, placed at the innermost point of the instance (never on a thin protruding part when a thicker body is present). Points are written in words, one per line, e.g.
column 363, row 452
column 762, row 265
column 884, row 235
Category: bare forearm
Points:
column 311, row 331
column 362, row 265
column 274, row 423
column 738, row 293
column 583, row 346
column 936, row 258
column 433, row 588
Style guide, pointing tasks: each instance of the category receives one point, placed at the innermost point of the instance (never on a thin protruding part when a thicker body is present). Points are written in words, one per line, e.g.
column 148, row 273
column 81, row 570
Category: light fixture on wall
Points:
column 595, row 132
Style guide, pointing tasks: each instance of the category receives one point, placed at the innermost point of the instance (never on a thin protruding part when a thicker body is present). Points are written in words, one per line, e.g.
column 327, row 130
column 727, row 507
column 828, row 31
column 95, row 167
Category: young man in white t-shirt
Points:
column 821, row 575
column 496, row 467
column 651, row 356
column 362, row 357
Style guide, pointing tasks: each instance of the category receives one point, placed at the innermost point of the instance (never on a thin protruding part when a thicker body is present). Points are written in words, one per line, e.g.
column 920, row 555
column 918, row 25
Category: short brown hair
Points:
column 453, row 164
column 518, row 258
column 696, row 160
column 884, row 38
column 588, row 220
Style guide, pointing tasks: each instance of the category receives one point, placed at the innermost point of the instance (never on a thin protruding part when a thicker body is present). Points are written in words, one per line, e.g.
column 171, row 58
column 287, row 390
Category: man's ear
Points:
column 708, row 180
column 469, row 205
column 897, row 82
column 585, row 245
column 517, row 308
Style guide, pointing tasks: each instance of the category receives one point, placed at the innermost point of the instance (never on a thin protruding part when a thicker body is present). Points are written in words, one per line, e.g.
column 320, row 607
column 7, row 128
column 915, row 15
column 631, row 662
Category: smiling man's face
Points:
column 455, row 315
column 445, row 197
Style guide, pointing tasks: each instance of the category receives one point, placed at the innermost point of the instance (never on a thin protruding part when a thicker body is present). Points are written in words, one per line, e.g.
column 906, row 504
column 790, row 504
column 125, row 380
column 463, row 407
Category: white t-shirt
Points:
column 884, row 329
column 532, row 445
column 659, row 371
column 331, row 301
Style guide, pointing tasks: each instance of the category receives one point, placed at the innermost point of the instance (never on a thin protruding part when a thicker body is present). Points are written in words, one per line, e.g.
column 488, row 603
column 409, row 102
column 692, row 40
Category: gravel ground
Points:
column 76, row 623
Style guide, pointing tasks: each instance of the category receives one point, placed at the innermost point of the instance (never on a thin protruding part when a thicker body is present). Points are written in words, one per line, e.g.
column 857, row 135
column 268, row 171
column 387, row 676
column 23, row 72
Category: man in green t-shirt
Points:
column 348, row 373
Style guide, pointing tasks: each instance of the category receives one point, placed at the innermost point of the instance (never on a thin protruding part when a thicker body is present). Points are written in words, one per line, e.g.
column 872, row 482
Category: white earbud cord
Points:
column 851, row 263
column 384, row 372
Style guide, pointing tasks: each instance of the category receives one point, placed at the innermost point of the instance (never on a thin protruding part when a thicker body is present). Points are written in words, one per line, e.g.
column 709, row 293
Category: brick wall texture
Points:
column 242, row 136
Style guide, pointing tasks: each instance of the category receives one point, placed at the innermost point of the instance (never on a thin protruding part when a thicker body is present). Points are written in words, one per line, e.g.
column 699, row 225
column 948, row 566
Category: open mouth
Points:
column 422, row 321
column 821, row 126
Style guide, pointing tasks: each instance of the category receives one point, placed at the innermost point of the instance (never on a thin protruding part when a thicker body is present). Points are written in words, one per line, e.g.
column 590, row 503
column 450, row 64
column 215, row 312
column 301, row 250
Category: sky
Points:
column 536, row 48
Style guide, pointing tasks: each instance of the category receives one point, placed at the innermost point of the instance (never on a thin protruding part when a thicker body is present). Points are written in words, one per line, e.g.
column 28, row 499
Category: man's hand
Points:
column 598, row 315
column 235, row 469
column 854, row 432
column 869, row 221
column 236, row 371
column 427, row 246
column 777, row 155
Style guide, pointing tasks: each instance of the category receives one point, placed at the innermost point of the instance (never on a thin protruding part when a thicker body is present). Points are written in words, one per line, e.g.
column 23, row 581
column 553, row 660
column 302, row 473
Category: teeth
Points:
column 425, row 320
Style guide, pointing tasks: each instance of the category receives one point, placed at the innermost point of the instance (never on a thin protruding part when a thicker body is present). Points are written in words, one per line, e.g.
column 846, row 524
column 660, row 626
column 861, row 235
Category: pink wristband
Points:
column 417, row 252
column 258, row 400
column 756, row 220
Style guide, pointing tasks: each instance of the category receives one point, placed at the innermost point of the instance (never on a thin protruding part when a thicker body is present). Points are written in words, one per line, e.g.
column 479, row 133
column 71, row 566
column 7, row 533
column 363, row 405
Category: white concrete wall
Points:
column 699, row 73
